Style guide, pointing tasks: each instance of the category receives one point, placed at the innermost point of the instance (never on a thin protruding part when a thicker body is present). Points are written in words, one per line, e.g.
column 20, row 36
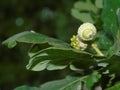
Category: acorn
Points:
column 86, row 32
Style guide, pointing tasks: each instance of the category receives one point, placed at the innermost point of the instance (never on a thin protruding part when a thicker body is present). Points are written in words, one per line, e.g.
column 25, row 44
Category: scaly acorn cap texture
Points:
column 86, row 31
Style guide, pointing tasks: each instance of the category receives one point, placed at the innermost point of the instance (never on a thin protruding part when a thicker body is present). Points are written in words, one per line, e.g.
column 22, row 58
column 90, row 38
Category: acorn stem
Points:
column 95, row 47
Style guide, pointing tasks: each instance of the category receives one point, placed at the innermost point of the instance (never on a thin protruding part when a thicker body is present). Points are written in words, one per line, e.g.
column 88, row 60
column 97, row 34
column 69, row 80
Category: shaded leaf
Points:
column 59, row 58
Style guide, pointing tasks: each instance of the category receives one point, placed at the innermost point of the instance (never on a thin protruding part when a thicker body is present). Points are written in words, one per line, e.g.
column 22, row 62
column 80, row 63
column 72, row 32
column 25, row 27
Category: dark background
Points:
column 49, row 17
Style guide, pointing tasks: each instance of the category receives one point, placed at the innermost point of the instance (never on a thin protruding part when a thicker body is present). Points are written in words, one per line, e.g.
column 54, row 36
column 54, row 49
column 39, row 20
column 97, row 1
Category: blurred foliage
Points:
column 88, row 10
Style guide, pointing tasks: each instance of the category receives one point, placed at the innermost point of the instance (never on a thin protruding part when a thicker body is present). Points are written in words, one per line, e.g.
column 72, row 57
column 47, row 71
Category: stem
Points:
column 95, row 47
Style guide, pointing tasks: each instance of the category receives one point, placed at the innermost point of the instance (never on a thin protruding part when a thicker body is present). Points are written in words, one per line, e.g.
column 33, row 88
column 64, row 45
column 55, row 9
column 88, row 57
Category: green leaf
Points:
column 110, row 18
column 24, row 87
column 69, row 83
column 115, row 87
column 34, row 38
column 81, row 11
column 58, row 58
column 92, row 79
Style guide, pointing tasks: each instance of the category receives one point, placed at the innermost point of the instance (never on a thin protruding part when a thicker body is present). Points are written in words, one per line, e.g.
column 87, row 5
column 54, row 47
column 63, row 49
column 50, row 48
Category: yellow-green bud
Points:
column 77, row 44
